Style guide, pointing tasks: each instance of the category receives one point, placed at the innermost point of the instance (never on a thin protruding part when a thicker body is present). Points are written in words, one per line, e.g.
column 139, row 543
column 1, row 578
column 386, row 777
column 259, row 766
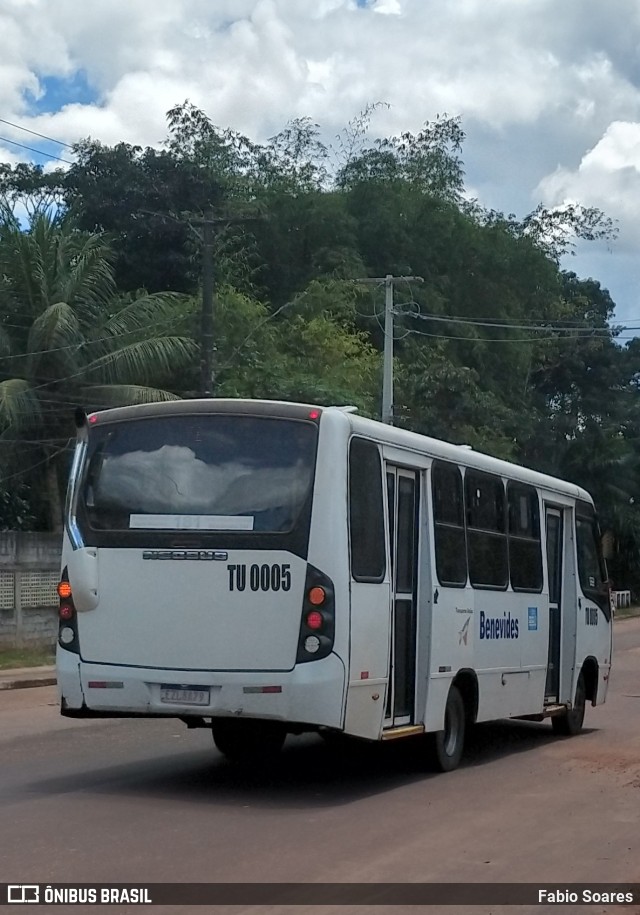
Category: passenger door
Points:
column 554, row 569
column 403, row 496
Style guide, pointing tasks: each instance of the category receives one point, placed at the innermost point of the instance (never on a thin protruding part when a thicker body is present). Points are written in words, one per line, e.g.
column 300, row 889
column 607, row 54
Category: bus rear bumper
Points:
column 311, row 693
column 68, row 677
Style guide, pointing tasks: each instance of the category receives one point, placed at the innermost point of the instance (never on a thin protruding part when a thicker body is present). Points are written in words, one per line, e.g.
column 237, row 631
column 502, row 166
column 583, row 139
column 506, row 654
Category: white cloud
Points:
column 387, row 7
column 549, row 90
column 608, row 177
column 255, row 63
column 9, row 156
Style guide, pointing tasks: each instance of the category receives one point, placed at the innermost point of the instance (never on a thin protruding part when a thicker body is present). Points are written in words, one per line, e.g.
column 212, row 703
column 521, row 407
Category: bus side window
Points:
column 591, row 567
column 366, row 512
column 525, row 555
column 486, row 530
column 448, row 517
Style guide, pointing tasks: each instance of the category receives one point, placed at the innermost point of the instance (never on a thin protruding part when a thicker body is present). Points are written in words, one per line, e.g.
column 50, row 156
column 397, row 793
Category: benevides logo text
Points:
column 498, row 627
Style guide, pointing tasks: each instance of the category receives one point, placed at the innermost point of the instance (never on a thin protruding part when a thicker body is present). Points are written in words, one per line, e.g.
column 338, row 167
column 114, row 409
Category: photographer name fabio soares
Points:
column 585, row 896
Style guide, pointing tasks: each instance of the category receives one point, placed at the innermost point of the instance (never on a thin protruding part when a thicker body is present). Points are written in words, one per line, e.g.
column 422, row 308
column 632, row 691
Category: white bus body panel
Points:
column 188, row 614
column 329, row 538
column 310, row 694
column 369, row 659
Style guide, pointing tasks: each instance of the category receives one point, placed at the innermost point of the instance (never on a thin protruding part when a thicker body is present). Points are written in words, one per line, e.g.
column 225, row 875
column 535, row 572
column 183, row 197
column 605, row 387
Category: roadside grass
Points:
column 26, row 657
column 626, row 612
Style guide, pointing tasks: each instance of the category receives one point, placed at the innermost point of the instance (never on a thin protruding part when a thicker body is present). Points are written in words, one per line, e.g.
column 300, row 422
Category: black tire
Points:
column 248, row 741
column 570, row 723
column 448, row 744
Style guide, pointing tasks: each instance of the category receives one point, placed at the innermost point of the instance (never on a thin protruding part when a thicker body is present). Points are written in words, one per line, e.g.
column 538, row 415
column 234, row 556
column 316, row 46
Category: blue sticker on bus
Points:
column 533, row 618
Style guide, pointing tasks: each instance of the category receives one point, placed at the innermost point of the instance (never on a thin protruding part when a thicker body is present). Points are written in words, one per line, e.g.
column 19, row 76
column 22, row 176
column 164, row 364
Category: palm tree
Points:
column 67, row 338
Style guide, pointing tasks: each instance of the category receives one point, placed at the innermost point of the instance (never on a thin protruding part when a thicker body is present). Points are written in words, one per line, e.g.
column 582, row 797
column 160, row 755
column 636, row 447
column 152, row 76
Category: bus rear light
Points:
column 314, row 414
column 317, row 623
column 317, row 596
column 68, row 621
column 314, row 620
column 64, row 590
column 67, row 635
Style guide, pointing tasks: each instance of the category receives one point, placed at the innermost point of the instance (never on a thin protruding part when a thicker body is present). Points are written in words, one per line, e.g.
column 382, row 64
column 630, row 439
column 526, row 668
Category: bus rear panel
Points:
column 187, row 559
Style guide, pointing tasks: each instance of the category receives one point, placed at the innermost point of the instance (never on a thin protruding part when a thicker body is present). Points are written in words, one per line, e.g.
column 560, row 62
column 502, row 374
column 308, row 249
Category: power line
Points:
column 65, row 406
column 46, row 460
column 502, row 318
column 169, row 323
column 35, row 133
column 567, row 338
column 585, row 330
column 35, row 441
column 39, row 152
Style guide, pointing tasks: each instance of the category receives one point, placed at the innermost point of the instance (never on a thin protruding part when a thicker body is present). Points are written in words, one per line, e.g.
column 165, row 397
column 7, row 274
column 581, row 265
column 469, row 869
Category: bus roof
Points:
column 370, row 428
column 464, row 455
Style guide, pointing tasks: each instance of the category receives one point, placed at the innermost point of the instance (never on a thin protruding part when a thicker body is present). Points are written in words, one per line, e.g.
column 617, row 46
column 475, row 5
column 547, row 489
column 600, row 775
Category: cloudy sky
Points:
column 548, row 90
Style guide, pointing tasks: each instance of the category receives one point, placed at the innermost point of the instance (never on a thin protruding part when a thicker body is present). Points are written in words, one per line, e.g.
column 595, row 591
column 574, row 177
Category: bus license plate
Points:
column 183, row 695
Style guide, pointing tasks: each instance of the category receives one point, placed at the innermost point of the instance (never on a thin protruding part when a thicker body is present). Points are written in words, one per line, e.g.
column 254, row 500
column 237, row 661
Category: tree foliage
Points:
column 69, row 340
column 497, row 346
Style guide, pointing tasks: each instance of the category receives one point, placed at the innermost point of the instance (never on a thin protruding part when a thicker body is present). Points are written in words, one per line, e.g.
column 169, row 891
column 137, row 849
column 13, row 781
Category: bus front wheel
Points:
column 570, row 723
column 248, row 741
column 448, row 744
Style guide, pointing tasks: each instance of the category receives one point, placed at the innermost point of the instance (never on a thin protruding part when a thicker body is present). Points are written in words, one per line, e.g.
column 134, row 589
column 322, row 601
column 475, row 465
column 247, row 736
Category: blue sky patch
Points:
column 58, row 92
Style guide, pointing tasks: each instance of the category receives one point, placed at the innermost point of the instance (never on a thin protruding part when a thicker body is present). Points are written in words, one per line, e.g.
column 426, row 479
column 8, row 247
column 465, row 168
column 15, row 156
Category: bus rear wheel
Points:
column 570, row 723
column 248, row 741
column 448, row 744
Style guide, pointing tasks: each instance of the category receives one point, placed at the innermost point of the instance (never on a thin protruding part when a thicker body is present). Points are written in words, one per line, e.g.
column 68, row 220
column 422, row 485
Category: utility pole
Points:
column 207, row 237
column 387, row 369
column 207, row 368
column 207, row 347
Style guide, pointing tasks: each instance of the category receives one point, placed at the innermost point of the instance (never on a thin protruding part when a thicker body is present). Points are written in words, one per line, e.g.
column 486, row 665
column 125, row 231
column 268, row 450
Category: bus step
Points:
column 407, row 730
column 555, row 709
column 548, row 712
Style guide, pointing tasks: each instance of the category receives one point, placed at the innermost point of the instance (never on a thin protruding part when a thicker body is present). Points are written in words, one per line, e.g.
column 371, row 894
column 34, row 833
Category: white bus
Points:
column 264, row 568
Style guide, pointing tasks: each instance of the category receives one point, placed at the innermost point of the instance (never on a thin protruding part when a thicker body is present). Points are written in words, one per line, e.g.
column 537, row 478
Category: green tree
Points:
column 68, row 339
column 308, row 350
column 143, row 200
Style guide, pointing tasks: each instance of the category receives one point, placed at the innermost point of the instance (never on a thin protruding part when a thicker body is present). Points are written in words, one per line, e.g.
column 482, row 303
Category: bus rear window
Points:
column 205, row 472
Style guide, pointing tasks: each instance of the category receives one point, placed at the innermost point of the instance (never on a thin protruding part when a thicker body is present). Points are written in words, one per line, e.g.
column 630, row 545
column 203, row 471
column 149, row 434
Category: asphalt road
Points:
column 149, row 801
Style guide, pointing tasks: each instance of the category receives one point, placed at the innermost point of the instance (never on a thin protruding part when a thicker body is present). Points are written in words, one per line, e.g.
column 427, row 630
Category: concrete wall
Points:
column 29, row 573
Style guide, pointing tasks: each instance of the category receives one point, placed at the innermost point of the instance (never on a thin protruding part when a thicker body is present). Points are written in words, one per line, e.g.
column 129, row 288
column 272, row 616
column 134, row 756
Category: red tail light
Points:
column 66, row 612
column 314, row 620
